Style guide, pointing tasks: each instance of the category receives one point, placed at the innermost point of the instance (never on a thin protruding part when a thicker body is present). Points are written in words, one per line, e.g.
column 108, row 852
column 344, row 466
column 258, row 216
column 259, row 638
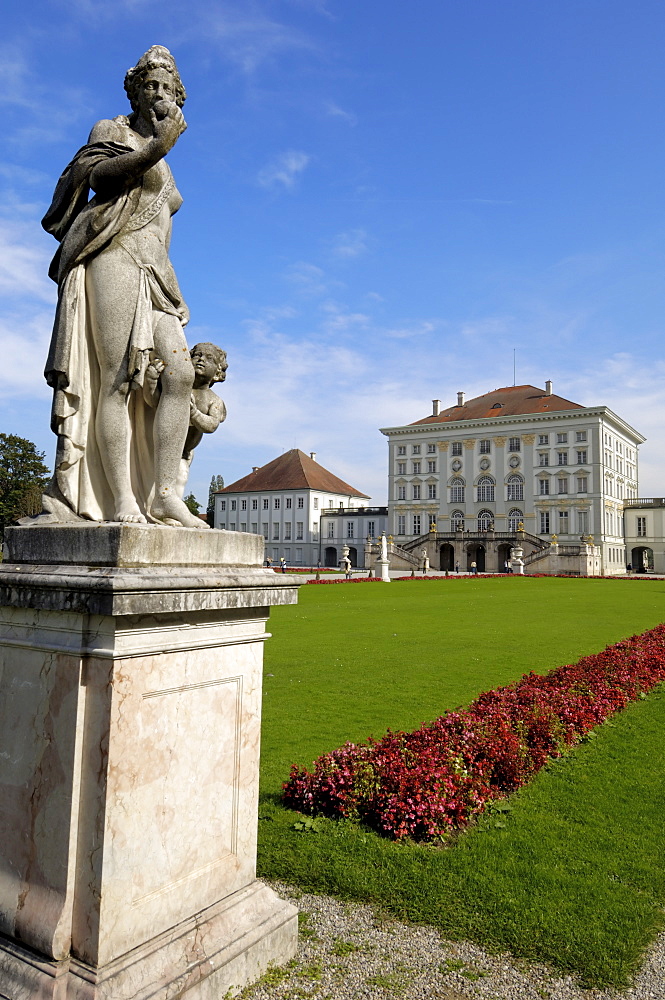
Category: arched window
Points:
column 457, row 520
column 485, row 518
column 515, row 486
column 514, row 517
column 485, row 490
column 457, row 490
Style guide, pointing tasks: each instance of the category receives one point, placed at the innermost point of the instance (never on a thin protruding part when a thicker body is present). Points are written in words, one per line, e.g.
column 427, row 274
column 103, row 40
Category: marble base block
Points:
column 130, row 703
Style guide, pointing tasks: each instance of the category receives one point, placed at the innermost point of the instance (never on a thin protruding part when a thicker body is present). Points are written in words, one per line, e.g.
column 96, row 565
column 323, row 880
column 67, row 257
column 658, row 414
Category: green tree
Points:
column 216, row 483
column 192, row 503
column 23, row 477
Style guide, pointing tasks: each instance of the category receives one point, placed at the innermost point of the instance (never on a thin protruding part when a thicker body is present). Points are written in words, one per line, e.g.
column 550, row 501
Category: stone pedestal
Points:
column 130, row 703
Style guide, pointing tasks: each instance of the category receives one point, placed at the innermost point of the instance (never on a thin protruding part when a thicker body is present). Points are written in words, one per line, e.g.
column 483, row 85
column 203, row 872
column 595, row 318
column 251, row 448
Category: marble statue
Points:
column 206, row 409
column 119, row 457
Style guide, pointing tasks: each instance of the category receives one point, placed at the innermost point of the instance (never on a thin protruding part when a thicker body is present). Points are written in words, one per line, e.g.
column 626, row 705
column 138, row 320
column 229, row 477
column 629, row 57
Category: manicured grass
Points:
column 575, row 875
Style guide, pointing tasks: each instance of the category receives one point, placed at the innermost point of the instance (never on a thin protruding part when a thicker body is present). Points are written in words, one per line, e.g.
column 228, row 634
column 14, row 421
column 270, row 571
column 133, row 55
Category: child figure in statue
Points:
column 206, row 409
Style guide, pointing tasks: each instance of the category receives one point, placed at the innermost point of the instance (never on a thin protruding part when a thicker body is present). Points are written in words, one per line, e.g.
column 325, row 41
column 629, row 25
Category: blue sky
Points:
column 382, row 200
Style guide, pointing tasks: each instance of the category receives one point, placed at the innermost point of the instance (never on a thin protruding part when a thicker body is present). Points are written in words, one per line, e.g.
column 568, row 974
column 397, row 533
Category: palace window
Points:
column 582, row 484
column 563, row 522
column 562, row 458
column 401, row 449
column 276, row 503
column 562, row 438
column 456, row 448
column 485, row 489
column 485, row 518
column 580, row 436
column 255, row 504
column 287, row 531
column 299, row 530
column 562, row 484
column 401, row 492
column 331, row 529
column 289, row 503
column 416, row 468
column 543, row 459
column 431, row 466
column 275, row 532
column 233, row 505
column 581, row 457
column 415, row 450
column 416, row 524
column 416, row 492
column 583, row 522
column 543, row 439
column 485, row 446
column 544, row 522
column 431, row 449
column 370, row 529
column 265, row 529
column 222, row 504
column 514, row 517
column 349, row 529
column 513, row 444
column 266, row 503
column 544, row 487
column 457, row 491
column 401, row 468
column 301, row 503
column 431, row 492
column 457, row 520
column 243, row 505
column 515, row 485
column 401, row 524
column 641, row 527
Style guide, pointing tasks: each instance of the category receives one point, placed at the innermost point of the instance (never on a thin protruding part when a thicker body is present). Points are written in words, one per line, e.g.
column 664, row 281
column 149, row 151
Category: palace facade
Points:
column 519, row 455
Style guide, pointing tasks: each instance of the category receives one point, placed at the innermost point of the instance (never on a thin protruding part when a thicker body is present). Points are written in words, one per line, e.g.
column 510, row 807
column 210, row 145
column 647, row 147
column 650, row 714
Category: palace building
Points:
column 284, row 501
column 519, row 455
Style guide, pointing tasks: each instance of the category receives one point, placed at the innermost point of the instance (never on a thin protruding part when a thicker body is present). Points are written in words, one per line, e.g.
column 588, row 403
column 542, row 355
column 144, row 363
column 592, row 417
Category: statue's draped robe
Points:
column 84, row 228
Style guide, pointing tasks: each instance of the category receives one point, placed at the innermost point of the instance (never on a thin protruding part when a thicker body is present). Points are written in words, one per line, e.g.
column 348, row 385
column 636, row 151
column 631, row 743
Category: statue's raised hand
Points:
column 168, row 124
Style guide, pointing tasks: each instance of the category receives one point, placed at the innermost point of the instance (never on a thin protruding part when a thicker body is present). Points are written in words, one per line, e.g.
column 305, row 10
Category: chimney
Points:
column 548, row 387
column 436, row 407
column 312, row 455
column 460, row 399
column 255, row 468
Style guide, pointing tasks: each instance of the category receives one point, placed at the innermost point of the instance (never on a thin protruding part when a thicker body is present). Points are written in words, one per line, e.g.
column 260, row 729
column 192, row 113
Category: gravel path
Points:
column 354, row 952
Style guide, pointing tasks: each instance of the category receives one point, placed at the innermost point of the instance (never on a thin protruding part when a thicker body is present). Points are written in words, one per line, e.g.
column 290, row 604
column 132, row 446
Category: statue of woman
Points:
column 117, row 459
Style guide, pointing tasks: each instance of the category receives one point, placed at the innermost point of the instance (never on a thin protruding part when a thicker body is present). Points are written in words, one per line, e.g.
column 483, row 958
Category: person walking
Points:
column 474, row 568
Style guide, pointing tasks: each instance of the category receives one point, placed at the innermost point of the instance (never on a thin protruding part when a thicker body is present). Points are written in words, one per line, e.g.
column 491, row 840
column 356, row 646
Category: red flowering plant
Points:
column 425, row 783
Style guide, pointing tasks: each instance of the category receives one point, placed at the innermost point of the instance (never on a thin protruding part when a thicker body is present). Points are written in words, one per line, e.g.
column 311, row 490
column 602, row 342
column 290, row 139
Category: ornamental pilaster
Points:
column 443, row 445
column 528, row 438
column 470, row 444
column 499, row 441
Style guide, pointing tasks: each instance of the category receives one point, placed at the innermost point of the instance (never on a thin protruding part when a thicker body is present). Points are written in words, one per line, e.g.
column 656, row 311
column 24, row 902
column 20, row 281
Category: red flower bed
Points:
column 424, row 783
column 355, row 579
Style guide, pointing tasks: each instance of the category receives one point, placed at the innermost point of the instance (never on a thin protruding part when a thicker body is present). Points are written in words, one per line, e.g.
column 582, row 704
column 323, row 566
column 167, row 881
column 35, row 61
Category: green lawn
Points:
column 573, row 873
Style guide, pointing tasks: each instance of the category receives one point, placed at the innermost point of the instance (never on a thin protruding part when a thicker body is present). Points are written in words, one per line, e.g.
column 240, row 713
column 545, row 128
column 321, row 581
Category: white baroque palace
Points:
column 285, row 501
column 517, row 455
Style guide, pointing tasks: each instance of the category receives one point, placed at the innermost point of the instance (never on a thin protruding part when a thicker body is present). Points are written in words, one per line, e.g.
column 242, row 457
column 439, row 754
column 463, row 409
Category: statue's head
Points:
column 157, row 57
column 210, row 360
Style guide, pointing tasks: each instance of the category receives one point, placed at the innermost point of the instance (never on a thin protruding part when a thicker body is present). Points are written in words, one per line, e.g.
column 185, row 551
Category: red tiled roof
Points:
column 507, row 402
column 294, row 470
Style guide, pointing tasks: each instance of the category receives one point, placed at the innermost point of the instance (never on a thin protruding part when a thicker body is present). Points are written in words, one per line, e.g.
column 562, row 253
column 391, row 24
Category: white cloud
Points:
column 335, row 111
column 24, row 260
column 350, row 244
column 284, row 170
column 309, row 279
column 247, row 39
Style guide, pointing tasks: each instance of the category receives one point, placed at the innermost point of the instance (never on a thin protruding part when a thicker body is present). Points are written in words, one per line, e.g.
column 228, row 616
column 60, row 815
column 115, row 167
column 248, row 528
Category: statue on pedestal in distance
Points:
column 119, row 457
